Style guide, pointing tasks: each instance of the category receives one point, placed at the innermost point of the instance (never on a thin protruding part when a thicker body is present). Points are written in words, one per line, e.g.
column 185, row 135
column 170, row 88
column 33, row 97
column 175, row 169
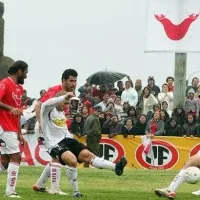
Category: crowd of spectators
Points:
column 131, row 109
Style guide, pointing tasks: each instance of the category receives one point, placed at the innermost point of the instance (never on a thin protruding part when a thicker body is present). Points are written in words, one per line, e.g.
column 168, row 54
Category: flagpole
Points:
column 180, row 79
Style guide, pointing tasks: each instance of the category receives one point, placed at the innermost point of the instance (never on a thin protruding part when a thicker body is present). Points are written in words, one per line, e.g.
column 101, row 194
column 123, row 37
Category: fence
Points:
column 168, row 152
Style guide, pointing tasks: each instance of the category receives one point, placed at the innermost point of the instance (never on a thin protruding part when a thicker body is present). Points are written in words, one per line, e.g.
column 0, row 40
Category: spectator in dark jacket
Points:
column 102, row 118
column 124, row 114
column 132, row 114
column 190, row 127
column 179, row 114
column 172, row 128
column 154, row 88
column 77, row 125
column 114, row 125
column 128, row 128
column 165, row 117
column 141, row 125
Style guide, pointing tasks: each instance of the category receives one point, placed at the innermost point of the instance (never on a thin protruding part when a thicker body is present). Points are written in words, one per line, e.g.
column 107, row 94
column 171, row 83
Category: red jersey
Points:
column 51, row 92
column 10, row 94
column 153, row 127
column 171, row 88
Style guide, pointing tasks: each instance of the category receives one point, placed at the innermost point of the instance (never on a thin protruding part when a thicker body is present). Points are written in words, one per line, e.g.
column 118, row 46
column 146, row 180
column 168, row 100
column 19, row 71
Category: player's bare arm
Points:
column 14, row 111
column 37, row 110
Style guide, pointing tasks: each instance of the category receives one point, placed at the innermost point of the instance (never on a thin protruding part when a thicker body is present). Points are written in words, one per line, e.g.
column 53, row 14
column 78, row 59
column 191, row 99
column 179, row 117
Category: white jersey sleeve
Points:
column 53, row 122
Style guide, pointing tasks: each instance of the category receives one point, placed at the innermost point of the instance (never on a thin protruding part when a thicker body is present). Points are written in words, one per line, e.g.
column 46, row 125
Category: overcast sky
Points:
column 87, row 35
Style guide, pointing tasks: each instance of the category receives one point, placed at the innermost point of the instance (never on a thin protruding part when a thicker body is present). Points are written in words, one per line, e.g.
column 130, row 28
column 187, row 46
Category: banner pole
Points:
column 180, row 79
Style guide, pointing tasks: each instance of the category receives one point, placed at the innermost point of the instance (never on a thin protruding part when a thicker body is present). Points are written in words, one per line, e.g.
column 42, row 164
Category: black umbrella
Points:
column 105, row 77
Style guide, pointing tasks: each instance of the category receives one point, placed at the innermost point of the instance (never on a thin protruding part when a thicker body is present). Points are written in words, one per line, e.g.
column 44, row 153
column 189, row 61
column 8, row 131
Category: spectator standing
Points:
column 197, row 94
column 194, row 86
column 26, row 101
column 154, row 88
column 85, row 112
column 128, row 128
column 132, row 114
column 104, row 103
column 165, row 95
column 77, row 125
column 155, row 126
column 100, row 92
column 121, row 88
column 179, row 114
column 111, row 107
column 87, row 96
column 92, row 130
column 141, row 125
column 190, row 127
column 164, row 106
column 42, row 93
column 191, row 104
column 129, row 95
column 170, row 83
column 147, row 102
column 138, row 88
column 124, row 114
column 114, row 125
column 107, row 116
column 173, row 128
column 165, row 117
column 118, row 104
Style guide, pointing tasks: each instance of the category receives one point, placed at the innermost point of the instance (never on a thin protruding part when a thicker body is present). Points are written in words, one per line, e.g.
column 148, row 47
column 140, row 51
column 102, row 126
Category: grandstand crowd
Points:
column 129, row 109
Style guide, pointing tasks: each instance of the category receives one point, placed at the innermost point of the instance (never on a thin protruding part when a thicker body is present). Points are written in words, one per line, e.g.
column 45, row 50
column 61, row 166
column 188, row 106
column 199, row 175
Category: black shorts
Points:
column 72, row 145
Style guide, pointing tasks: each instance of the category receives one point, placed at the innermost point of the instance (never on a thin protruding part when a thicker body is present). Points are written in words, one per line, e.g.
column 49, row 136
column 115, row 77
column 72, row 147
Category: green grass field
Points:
column 102, row 185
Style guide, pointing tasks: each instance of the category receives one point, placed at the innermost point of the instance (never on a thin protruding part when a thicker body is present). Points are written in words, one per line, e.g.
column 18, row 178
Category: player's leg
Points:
column 66, row 157
column 94, row 147
column 4, row 162
column 70, row 160
column 55, row 171
column 71, row 172
column 12, row 174
column 73, row 178
column 86, row 156
column 40, row 185
column 11, row 149
column 169, row 192
column 197, row 193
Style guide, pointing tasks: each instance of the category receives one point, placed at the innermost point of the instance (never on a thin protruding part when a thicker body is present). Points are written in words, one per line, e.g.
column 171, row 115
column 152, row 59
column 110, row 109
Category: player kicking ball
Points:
column 170, row 191
column 63, row 148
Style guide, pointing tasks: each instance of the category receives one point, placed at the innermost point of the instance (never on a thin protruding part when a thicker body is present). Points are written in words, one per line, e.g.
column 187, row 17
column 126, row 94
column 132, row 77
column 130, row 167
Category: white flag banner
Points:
column 173, row 26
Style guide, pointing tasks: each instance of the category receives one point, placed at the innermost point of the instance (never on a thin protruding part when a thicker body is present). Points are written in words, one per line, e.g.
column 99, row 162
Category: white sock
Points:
column 73, row 177
column 12, row 175
column 55, row 176
column 178, row 180
column 1, row 168
column 44, row 176
column 102, row 164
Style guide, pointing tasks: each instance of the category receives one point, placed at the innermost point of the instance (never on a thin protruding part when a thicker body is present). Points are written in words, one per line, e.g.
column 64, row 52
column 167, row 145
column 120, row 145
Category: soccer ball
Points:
column 192, row 175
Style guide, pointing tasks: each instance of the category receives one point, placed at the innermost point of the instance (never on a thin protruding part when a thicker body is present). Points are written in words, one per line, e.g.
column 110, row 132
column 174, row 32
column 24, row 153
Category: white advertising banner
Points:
column 173, row 26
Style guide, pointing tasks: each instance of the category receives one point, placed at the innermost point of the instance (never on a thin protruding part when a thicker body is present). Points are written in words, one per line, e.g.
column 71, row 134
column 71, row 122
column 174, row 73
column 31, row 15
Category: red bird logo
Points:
column 176, row 31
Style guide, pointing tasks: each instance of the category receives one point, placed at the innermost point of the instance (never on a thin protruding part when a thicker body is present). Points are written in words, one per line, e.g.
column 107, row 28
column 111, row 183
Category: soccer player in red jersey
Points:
column 11, row 91
column 69, row 81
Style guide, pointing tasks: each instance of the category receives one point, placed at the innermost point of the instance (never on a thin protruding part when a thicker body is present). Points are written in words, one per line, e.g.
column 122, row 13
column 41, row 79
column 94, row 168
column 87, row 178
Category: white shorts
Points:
column 9, row 143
